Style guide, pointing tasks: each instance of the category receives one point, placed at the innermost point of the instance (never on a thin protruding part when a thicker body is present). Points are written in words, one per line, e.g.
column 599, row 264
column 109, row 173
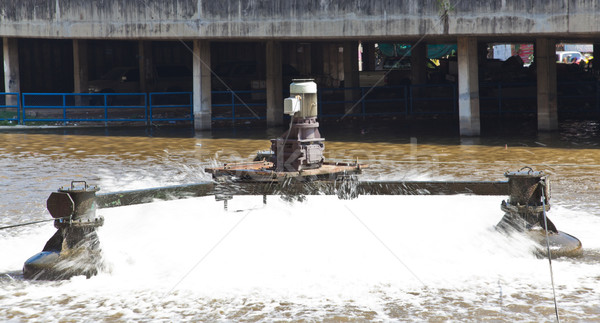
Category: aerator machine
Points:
column 298, row 152
column 294, row 167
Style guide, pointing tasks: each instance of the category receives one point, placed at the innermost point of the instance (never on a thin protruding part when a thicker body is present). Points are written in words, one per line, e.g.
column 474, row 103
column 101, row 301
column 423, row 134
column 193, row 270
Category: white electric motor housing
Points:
column 291, row 105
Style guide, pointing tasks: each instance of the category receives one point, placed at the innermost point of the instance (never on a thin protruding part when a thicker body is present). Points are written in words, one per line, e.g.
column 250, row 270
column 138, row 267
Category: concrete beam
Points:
column 12, row 80
column 80, row 66
column 468, row 87
column 324, row 19
column 545, row 61
column 202, row 85
column 274, row 84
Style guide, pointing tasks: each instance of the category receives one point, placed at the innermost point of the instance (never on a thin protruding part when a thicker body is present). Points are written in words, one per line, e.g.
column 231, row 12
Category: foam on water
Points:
column 372, row 258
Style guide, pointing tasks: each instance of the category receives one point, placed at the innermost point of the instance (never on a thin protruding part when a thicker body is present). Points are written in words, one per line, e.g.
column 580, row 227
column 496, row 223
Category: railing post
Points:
column 105, row 106
column 23, row 107
column 64, row 104
column 232, row 108
column 19, row 108
column 148, row 107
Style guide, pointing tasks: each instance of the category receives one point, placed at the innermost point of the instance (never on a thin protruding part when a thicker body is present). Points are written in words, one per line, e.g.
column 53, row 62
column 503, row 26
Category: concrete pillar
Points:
column 274, row 84
column 351, row 76
column 202, row 86
column 418, row 60
column 145, row 65
column 545, row 62
column 80, row 66
column 12, row 81
column 468, row 87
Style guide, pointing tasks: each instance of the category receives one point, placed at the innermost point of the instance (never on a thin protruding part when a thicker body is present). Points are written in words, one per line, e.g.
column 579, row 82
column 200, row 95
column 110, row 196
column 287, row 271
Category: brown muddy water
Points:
column 375, row 258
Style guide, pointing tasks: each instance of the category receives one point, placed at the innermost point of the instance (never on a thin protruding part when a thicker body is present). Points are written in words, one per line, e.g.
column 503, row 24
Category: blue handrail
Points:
column 236, row 100
column 86, row 107
column 416, row 99
column 171, row 102
column 10, row 107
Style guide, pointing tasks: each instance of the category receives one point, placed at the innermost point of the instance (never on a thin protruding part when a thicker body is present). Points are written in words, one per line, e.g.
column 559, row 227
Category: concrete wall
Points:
column 308, row 19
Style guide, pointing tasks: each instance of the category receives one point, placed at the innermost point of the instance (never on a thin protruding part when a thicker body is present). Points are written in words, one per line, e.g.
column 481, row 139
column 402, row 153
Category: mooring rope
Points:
column 550, row 260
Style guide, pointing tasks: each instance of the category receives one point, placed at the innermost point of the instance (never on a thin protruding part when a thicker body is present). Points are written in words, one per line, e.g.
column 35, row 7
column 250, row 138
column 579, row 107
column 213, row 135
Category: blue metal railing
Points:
column 252, row 104
column 84, row 107
column 495, row 98
column 171, row 107
column 9, row 107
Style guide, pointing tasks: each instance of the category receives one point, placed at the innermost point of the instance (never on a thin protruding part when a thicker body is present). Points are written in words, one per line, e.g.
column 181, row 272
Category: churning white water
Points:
column 375, row 258
column 372, row 258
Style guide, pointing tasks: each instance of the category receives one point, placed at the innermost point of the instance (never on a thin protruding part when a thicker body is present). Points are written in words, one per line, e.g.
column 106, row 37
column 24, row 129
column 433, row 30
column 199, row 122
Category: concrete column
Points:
column 12, row 81
column 545, row 62
column 468, row 87
column 351, row 77
column 418, row 60
column 145, row 65
column 274, row 84
column 80, row 66
column 202, row 86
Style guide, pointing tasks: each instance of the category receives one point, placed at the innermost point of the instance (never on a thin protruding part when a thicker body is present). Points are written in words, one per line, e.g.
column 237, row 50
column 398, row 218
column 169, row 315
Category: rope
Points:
column 550, row 262
column 33, row 222
column 28, row 223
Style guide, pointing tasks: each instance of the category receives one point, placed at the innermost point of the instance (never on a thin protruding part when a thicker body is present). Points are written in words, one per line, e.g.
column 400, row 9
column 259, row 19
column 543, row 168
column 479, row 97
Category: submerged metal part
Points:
column 64, row 264
column 561, row 244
